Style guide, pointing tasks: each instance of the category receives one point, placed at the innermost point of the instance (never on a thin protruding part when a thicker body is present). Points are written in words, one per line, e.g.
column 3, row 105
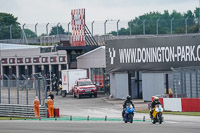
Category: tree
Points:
column 6, row 20
column 151, row 19
column 29, row 33
column 57, row 30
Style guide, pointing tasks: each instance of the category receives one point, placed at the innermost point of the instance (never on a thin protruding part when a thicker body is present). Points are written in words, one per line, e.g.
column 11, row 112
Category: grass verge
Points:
column 174, row 113
column 12, row 118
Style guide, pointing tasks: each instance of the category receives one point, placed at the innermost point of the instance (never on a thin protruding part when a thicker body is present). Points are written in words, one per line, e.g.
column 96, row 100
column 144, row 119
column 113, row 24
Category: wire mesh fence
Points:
column 22, row 91
column 186, row 82
column 114, row 27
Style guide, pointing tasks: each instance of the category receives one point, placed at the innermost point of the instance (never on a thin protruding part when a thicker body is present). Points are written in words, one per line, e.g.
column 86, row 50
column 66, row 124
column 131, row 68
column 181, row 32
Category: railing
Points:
column 15, row 110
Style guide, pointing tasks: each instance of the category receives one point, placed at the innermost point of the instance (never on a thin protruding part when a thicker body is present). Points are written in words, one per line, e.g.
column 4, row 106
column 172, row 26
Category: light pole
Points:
column 157, row 26
column 36, row 29
column 92, row 26
column 144, row 26
column 57, row 28
column 171, row 24
column 118, row 27
column 105, row 27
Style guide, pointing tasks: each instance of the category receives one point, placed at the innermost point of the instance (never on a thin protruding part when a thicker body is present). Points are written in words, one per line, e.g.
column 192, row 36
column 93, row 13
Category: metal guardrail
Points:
column 15, row 110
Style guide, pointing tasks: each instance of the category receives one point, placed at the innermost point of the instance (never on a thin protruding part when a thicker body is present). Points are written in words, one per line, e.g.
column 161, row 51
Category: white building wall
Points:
column 152, row 84
column 92, row 59
column 119, row 85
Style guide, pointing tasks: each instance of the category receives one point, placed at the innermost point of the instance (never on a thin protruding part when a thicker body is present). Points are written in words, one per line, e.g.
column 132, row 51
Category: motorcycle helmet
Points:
column 128, row 97
column 156, row 98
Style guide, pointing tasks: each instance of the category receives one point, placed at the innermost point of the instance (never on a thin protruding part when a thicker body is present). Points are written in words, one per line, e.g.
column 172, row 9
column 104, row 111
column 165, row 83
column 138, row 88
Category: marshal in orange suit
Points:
column 36, row 103
column 50, row 107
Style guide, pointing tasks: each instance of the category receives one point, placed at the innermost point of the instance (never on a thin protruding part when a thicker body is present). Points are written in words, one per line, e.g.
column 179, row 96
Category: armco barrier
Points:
column 16, row 110
column 180, row 104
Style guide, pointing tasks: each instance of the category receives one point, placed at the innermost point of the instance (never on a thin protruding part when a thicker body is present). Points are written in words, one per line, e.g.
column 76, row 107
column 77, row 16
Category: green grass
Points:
column 174, row 113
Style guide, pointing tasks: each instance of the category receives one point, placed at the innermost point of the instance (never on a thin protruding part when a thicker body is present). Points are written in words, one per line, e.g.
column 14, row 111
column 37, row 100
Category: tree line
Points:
column 162, row 22
column 154, row 22
column 8, row 21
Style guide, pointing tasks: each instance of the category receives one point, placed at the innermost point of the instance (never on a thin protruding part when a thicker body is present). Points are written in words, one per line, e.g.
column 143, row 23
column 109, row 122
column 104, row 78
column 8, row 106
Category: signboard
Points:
column 53, row 59
column 62, row 58
column 28, row 60
column 44, row 59
column 153, row 54
column 20, row 60
column 78, row 27
column 4, row 61
column 36, row 59
column 12, row 60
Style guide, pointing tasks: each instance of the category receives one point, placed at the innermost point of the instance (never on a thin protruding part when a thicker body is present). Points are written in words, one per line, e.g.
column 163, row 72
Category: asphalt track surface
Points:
column 22, row 126
column 98, row 108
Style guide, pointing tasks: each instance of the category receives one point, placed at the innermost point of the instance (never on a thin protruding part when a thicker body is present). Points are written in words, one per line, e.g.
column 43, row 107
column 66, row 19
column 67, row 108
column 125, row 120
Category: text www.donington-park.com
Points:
column 159, row 54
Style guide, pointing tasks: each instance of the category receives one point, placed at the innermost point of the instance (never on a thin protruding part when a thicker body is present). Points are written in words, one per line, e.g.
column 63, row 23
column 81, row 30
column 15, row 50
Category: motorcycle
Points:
column 129, row 113
column 157, row 114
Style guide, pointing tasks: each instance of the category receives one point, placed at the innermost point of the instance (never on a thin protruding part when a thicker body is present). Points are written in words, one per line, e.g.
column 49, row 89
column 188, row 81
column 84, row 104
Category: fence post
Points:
column 144, row 26
column 26, row 83
column 118, row 28
column 171, row 24
column 17, row 84
column 92, row 27
column 190, row 84
column 157, row 26
column 8, row 87
column 186, row 25
column 0, row 89
column 130, row 27
column 45, row 86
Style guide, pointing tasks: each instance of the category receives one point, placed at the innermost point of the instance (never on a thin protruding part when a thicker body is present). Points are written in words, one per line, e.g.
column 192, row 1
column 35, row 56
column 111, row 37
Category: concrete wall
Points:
column 152, row 84
column 119, row 85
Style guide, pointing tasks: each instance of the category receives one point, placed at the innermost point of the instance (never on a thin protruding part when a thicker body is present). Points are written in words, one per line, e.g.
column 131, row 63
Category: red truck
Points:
column 84, row 87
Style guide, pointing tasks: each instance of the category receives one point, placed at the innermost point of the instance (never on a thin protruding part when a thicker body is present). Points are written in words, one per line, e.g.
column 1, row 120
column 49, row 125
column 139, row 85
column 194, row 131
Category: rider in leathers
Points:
column 127, row 101
column 153, row 104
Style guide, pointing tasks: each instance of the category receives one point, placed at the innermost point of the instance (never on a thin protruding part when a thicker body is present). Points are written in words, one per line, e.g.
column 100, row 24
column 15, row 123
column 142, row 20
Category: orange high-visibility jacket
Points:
column 36, row 103
column 50, row 103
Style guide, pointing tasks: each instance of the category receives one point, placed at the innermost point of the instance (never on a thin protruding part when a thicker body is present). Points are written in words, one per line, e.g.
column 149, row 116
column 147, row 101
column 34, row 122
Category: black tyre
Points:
column 79, row 96
column 160, row 119
column 64, row 93
column 130, row 117
column 74, row 95
column 154, row 121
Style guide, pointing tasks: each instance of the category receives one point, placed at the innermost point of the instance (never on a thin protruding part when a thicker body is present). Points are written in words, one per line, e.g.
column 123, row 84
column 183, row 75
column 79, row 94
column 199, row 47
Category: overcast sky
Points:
column 53, row 11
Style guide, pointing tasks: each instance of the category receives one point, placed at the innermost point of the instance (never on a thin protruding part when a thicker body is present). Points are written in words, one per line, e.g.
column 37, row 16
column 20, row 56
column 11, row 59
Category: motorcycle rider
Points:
column 126, row 102
column 153, row 104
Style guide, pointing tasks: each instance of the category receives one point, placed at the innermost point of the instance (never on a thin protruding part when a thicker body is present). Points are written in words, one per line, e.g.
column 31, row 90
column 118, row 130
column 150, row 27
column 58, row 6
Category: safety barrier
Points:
column 16, row 110
column 180, row 104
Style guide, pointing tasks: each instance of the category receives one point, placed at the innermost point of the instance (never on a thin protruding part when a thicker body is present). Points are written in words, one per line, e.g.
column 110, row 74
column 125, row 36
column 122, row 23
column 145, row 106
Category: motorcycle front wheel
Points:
column 160, row 118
